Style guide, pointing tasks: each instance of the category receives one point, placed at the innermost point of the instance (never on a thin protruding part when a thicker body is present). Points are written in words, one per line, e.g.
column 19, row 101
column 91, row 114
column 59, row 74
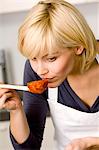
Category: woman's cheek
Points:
column 60, row 68
column 55, row 67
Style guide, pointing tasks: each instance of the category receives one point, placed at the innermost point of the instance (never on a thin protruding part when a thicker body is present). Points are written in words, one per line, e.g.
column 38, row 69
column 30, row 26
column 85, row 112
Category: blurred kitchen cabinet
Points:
column 7, row 6
column 5, row 143
column 48, row 138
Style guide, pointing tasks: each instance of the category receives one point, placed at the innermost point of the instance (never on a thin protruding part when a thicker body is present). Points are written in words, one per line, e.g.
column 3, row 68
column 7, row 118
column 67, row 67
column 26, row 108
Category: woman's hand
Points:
column 86, row 143
column 9, row 99
column 19, row 127
column 77, row 144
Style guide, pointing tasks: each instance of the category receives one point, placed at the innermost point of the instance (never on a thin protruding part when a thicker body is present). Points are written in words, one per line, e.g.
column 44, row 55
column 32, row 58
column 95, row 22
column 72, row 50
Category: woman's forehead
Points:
column 49, row 54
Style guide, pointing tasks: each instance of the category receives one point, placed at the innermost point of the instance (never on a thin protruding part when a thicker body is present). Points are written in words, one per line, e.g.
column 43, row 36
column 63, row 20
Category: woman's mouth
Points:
column 50, row 80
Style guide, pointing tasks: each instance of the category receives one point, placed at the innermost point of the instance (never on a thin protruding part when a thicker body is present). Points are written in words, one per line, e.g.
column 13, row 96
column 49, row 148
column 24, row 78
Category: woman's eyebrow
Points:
column 55, row 53
column 50, row 54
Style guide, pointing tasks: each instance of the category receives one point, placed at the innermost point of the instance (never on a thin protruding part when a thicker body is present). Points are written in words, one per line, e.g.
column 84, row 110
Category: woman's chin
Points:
column 52, row 85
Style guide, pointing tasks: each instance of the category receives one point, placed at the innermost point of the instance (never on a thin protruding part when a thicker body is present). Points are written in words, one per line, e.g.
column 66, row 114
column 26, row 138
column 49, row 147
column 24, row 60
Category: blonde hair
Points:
column 53, row 25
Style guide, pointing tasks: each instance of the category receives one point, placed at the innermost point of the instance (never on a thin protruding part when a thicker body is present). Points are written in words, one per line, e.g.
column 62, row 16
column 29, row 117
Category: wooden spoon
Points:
column 33, row 86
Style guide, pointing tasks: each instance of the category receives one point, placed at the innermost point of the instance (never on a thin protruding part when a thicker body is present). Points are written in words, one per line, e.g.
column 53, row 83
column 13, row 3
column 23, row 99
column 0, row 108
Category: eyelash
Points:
column 51, row 59
column 34, row 59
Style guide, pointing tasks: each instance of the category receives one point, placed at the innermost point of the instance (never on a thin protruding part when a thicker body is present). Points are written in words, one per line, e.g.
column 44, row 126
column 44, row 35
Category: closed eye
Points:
column 34, row 59
column 51, row 59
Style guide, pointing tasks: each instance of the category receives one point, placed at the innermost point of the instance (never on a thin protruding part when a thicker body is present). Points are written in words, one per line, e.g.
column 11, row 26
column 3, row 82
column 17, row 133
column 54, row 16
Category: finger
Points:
column 3, row 91
column 9, row 105
column 4, row 98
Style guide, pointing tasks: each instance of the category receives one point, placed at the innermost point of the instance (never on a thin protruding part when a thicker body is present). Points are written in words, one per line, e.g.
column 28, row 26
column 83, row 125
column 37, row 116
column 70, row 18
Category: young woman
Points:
column 60, row 47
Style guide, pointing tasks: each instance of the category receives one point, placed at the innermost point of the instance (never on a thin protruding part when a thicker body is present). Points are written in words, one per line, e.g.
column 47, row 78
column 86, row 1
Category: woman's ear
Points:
column 79, row 50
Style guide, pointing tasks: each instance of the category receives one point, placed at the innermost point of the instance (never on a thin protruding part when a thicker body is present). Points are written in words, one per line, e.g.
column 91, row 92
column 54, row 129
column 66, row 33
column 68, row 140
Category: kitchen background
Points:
column 12, row 13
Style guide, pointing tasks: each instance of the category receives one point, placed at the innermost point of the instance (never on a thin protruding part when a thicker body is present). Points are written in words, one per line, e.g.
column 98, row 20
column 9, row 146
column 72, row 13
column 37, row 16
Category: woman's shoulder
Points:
column 29, row 73
column 28, row 66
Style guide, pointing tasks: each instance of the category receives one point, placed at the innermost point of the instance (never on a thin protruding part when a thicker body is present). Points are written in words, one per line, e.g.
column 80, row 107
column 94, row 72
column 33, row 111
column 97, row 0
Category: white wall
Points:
column 14, row 60
column 1, row 39
column 9, row 25
column 91, row 13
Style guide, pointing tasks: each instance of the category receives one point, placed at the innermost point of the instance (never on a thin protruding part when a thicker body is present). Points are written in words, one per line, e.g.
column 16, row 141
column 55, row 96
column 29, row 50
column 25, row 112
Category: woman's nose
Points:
column 42, row 69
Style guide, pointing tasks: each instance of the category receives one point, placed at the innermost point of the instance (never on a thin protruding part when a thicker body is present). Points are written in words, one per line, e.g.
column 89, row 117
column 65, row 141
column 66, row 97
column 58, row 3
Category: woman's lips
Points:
column 50, row 80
